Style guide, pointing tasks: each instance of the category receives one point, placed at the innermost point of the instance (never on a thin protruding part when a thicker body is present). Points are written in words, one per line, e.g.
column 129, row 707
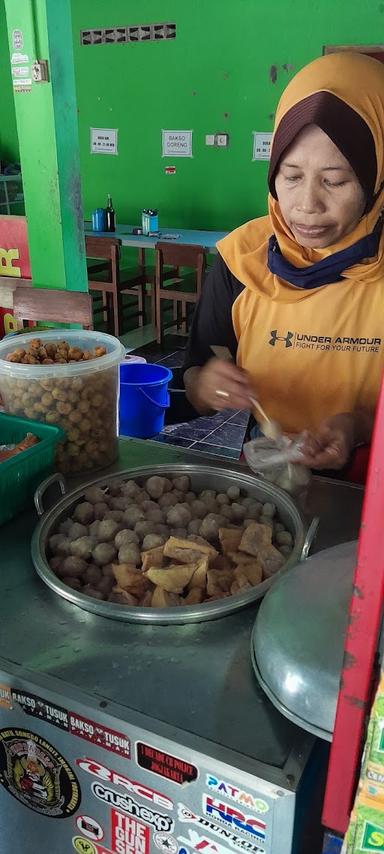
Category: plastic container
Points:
column 80, row 397
column 143, row 399
column 99, row 220
column 21, row 474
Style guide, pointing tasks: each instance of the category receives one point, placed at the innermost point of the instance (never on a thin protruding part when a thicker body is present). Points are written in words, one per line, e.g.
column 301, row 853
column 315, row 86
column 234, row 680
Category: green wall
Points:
column 216, row 76
column 9, row 146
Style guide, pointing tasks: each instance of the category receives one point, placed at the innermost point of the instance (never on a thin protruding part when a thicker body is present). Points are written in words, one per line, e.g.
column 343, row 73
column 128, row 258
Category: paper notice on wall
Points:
column 176, row 143
column 261, row 145
column 103, row 141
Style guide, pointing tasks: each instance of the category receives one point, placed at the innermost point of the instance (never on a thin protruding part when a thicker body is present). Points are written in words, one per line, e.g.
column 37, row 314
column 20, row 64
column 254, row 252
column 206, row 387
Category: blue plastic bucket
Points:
column 143, row 399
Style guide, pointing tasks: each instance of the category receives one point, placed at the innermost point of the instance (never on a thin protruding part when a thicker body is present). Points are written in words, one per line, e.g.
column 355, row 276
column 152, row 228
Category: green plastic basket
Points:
column 21, row 474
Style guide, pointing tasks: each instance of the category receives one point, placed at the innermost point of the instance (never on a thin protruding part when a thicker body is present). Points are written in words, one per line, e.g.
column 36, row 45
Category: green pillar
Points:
column 46, row 118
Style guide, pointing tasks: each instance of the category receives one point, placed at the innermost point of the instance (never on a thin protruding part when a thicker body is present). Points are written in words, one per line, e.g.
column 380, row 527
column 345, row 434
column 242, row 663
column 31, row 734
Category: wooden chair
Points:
column 183, row 290
column 44, row 304
column 113, row 284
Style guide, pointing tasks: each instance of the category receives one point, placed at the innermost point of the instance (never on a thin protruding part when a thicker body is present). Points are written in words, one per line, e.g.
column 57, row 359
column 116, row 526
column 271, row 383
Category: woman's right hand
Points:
column 218, row 385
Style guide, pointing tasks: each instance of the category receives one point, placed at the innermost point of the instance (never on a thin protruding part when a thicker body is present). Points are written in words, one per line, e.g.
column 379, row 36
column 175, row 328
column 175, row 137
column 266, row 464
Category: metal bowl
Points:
column 202, row 477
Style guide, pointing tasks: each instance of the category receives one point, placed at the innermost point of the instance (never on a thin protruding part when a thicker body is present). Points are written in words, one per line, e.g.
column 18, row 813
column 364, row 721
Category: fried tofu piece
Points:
column 172, row 578
column 199, row 577
column 230, row 539
column 122, row 597
column 204, row 545
column 146, row 600
column 255, row 537
column 240, row 583
column 253, row 572
column 271, row 560
column 187, row 551
column 152, row 557
column 240, row 558
column 194, row 597
column 123, row 573
column 219, row 581
column 131, row 579
column 221, row 562
column 163, row 599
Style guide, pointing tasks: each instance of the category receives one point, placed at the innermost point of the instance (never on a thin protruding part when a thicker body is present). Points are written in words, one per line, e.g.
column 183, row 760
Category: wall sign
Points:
column 261, row 145
column 103, row 140
column 17, row 40
column 176, row 143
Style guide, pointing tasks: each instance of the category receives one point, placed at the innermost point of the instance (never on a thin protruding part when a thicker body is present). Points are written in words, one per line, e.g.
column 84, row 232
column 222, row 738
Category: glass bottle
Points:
column 110, row 215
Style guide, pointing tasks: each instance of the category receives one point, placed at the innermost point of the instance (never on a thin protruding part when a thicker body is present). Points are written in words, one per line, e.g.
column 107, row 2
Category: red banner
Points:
column 14, row 254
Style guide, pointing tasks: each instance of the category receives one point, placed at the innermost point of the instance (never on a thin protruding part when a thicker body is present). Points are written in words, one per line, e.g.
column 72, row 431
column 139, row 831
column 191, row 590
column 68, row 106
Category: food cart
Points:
column 122, row 737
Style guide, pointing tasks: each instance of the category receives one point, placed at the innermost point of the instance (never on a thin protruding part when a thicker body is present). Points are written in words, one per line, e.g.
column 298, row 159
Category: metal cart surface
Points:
column 138, row 737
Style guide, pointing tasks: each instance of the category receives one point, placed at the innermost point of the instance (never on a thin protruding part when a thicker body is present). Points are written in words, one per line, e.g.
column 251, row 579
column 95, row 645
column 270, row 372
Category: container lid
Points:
column 297, row 642
column 85, row 339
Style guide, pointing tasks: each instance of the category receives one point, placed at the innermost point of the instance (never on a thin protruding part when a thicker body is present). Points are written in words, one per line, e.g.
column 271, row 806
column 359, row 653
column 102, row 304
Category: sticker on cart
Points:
column 228, row 790
column 196, row 842
column 127, row 805
column 128, row 835
column 36, row 774
column 84, row 846
column 233, row 818
column 89, row 827
column 165, row 765
column 225, row 834
column 5, row 697
column 140, row 790
column 166, row 843
column 36, row 707
column 110, row 739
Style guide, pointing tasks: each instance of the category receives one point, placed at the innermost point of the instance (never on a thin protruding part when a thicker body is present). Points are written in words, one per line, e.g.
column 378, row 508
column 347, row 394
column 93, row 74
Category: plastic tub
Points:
column 143, row 399
column 80, row 397
column 21, row 474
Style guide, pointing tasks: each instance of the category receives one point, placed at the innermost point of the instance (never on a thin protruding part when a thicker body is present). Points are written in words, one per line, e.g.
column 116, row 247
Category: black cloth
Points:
column 212, row 321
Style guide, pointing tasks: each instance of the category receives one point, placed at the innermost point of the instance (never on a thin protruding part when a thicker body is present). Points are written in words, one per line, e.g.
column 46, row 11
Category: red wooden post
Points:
column 361, row 642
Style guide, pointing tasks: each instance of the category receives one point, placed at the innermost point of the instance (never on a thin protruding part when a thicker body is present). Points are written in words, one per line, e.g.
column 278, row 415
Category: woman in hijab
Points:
column 298, row 296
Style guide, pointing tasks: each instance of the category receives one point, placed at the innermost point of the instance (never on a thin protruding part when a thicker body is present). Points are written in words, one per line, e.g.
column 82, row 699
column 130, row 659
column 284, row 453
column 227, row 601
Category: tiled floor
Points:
column 221, row 434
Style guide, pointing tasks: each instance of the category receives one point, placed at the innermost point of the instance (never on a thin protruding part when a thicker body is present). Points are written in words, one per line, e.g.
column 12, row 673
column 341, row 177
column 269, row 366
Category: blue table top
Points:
column 207, row 239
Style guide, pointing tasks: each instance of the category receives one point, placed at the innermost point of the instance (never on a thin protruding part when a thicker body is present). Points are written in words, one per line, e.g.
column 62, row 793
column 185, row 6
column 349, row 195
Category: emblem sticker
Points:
column 37, row 775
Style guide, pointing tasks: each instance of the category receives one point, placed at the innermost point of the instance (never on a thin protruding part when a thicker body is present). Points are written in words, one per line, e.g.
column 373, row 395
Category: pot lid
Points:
column 297, row 642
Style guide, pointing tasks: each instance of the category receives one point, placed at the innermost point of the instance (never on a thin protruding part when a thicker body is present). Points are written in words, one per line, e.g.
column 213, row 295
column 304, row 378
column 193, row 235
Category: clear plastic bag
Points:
column 279, row 462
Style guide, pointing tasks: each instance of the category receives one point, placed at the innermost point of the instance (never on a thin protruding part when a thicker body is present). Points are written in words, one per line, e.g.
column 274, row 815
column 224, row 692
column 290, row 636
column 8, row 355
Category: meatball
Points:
column 129, row 553
column 82, row 547
column 124, row 537
column 84, row 513
column 155, row 486
column 104, row 553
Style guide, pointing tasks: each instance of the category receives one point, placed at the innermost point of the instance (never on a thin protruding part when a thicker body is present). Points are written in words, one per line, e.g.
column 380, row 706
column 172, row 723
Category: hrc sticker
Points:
column 233, row 818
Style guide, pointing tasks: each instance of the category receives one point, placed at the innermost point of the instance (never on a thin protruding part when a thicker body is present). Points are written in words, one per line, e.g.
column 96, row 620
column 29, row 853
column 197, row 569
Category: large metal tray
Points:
column 202, row 477
column 297, row 643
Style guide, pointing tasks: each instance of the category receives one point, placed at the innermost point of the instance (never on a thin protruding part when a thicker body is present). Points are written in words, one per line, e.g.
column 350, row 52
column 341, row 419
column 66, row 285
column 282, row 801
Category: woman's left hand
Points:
column 331, row 445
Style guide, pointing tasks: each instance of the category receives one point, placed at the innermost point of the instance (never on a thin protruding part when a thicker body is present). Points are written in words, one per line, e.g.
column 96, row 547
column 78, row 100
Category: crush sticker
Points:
column 165, row 765
column 37, row 775
column 126, row 804
column 128, row 836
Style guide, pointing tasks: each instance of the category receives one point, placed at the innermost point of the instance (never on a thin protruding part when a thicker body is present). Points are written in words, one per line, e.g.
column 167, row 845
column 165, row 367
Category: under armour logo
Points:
column 275, row 337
